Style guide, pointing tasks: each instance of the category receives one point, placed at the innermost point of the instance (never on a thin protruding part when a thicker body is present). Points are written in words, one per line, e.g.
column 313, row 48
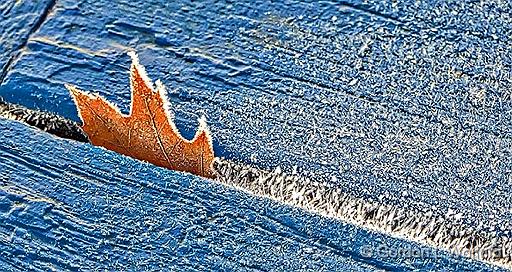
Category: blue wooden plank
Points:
column 388, row 102
column 67, row 206
column 18, row 20
column 401, row 103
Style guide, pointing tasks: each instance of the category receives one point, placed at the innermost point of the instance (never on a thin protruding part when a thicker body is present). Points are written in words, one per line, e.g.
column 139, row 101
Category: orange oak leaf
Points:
column 148, row 133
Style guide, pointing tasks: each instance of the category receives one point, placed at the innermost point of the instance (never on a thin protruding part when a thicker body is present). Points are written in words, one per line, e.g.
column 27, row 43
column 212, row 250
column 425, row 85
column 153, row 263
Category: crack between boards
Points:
column 16, row 53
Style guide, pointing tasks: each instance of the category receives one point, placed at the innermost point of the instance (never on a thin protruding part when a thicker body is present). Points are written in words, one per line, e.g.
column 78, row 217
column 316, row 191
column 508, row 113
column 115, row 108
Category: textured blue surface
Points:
column 71, row 206
column 400, row 102
column 18, row 20
column 408, row 105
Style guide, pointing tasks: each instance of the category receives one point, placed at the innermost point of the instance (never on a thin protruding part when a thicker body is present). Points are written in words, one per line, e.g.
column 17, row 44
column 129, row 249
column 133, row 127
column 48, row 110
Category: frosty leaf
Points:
column 148, row 133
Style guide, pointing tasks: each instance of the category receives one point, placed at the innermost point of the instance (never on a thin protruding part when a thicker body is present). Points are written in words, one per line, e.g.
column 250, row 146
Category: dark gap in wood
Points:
column 48, row 122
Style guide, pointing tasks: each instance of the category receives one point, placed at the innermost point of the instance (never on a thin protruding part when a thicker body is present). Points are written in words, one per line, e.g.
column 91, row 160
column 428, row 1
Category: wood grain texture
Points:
column 18, row 20
column 399, row 102
column 68, row 206
column 407, row 104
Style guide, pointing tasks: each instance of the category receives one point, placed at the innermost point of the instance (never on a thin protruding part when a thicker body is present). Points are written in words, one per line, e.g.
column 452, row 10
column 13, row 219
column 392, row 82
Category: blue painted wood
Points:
column 401, row 103
column 18, row 20
column 67, row 206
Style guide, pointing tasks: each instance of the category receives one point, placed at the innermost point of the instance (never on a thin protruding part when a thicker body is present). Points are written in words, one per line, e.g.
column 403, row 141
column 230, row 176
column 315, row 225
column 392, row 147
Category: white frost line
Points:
column 324, row 199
